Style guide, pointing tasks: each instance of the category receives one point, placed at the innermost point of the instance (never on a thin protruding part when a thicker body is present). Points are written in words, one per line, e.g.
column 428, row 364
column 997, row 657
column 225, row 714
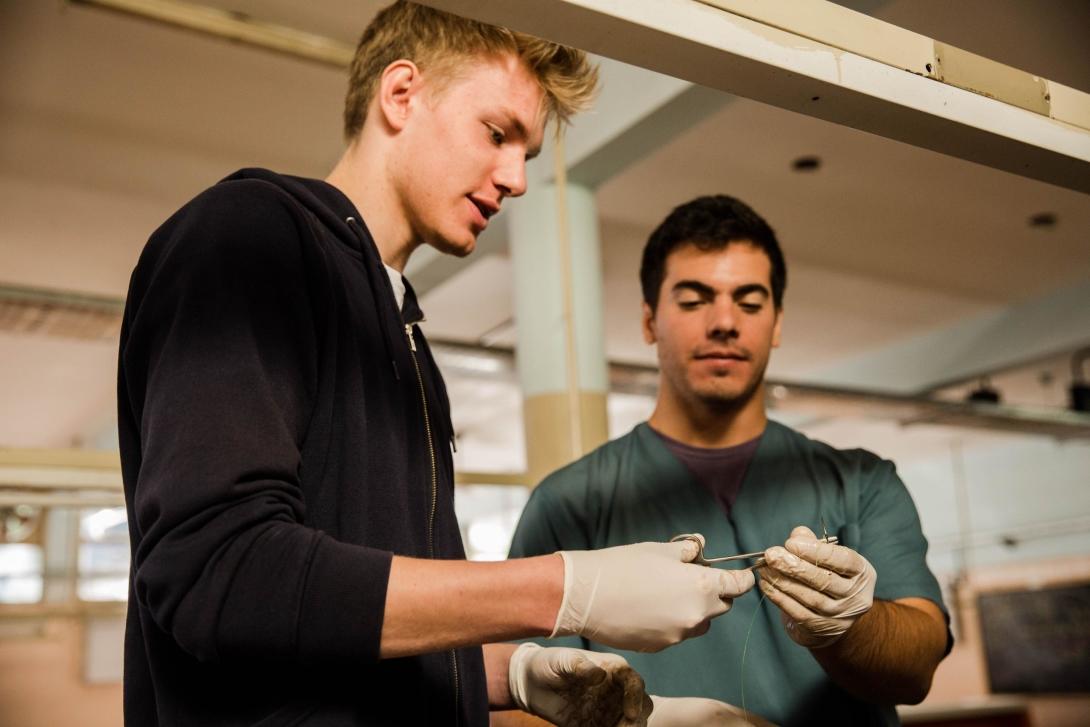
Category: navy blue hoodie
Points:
column 284, row 430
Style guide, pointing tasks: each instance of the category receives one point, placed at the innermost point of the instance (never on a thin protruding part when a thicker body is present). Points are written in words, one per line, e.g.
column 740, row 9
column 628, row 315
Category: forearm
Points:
column 497, row 659
column 515, row 718
column 436, row 605
column 890, row 653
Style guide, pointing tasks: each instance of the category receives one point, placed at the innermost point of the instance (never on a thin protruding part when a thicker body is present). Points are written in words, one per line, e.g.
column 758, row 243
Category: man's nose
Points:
column 510, row 175
column 722, row 320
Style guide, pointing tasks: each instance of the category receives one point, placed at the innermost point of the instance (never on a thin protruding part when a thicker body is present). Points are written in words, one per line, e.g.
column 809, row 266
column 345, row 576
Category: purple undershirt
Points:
column 719, row 470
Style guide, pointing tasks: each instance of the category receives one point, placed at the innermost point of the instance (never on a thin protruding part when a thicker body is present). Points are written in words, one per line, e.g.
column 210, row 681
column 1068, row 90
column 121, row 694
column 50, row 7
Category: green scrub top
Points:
column 633, row 489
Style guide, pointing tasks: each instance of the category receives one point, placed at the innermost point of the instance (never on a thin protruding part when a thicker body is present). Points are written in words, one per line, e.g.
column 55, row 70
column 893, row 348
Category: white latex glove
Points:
column 643, row 597
column 820, row 588
column 698, row 712
column 576, row 687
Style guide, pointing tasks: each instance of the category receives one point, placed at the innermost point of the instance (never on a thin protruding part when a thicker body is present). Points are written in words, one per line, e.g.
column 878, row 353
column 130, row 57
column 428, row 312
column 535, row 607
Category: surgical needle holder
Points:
column 701, row 560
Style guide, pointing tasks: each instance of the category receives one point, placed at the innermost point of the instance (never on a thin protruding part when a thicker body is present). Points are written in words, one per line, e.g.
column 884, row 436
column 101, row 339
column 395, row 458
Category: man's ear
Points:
column 776, row 328
column 648, row 326
column 398, row 85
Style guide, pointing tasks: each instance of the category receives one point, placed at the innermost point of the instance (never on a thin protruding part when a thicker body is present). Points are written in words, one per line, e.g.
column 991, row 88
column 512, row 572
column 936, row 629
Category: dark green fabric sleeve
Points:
column 556, row 515
column 891, row 537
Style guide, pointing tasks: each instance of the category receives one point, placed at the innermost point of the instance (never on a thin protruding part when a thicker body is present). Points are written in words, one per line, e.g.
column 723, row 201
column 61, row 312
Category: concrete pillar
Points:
column 561, row 346
column 60, row 548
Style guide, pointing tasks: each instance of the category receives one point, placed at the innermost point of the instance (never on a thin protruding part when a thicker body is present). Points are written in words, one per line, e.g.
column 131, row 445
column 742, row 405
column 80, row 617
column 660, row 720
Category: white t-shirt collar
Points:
column 398, row 283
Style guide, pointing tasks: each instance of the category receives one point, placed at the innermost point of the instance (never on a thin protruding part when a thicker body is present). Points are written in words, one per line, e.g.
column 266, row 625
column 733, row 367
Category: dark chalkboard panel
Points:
column 1037, row 641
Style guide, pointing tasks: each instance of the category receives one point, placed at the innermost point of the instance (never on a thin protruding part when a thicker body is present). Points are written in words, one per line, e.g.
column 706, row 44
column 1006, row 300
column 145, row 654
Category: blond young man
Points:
column 285, row 432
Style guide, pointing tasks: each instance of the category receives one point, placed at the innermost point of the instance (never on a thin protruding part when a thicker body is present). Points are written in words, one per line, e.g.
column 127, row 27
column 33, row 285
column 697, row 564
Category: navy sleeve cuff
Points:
column 343, row 603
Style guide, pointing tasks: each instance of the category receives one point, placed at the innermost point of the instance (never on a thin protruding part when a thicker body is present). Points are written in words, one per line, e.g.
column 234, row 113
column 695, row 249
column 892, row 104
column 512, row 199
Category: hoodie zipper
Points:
column 352, row 222
column 431, row 445
column 434, row 501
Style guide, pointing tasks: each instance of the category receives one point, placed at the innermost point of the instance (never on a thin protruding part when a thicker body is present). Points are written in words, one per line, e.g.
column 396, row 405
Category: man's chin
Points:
column 724, row 397
column 721, row 399
column 457, row 248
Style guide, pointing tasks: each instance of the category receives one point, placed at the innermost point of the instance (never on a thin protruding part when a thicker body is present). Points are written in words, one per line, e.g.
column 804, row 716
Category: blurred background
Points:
column 937, row 312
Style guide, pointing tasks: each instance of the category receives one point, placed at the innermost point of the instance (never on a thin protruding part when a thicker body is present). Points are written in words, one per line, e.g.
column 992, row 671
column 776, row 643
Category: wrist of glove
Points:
column 576, row 687
column 820, row 588
column 700, row 712
column 644, row 597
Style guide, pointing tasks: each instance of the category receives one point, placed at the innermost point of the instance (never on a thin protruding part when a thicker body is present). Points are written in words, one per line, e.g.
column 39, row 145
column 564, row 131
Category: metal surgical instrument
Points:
column 701, row 560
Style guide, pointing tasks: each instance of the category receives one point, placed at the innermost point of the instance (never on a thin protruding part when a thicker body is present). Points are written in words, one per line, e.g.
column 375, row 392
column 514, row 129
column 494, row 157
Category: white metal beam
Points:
column 640, row 136
column 1050, row 324
column 635, row 113
column 89, row 478
column 808, row 69
column 12, row 498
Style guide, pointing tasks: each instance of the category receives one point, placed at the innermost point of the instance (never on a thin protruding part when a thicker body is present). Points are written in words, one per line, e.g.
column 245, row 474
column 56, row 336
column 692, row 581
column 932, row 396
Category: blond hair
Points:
column 439, row 41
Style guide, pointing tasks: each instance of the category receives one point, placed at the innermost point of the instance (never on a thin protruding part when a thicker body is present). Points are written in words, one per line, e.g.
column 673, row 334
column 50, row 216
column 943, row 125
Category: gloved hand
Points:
column 576, row 687
column 820, row 588
column 643, row 597
column 700, row 712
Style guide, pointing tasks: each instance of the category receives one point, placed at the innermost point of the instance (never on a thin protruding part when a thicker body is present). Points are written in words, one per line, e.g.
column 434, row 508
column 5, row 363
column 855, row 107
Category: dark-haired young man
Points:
column 863, row 626
column 285, row 433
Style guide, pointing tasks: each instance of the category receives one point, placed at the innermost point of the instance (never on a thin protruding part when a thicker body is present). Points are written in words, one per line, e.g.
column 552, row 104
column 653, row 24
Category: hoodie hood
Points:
column 338, row 215
column 332, row 208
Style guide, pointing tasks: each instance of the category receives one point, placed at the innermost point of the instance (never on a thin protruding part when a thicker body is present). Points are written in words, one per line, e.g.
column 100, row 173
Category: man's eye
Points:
column 751, row 307
column 689, row 304
column 496, row 135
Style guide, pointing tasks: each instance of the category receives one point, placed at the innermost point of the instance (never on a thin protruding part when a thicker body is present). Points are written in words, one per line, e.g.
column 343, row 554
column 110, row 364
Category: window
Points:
column 21, row 558
column 487, row 516
column 20, row 573
column 103, row 555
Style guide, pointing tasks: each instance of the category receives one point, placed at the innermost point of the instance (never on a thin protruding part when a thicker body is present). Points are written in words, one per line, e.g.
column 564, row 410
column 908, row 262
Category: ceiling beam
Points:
column 832, row 63
column 807, row 399
column 636, row 112
column 646, row 133
column 1050, row 324
column 233, row 26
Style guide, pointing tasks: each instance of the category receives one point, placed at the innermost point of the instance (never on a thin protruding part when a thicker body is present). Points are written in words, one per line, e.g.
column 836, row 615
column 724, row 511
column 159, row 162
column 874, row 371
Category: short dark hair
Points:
column 709, row 223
